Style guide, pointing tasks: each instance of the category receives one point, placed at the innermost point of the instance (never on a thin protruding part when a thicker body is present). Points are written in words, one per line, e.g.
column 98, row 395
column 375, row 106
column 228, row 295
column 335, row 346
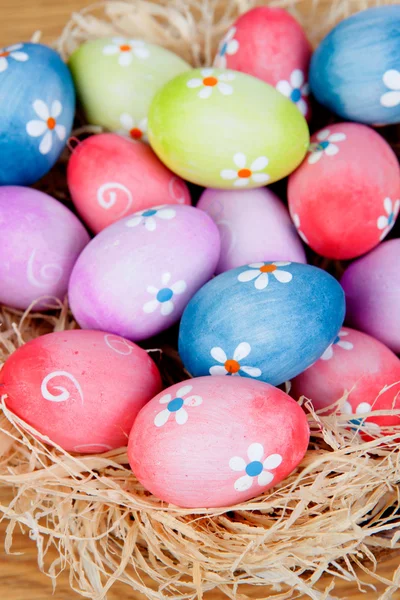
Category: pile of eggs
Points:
column 231, row 270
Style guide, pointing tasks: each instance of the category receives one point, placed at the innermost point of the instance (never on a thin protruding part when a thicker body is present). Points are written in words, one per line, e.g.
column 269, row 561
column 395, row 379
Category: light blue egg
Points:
column 37, row 105
column 269, row 321
column 355, row 71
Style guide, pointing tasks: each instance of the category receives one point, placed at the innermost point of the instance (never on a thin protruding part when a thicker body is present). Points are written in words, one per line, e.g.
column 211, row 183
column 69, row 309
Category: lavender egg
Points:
column 254, row 226
column 40, row 242
column 136, row 276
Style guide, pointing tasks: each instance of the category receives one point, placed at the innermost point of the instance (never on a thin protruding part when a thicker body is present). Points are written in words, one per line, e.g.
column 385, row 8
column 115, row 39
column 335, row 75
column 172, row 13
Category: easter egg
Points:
column 110, row 177
column 359, row 364
column 372, row 288
column 344, row 197
column 224, row 129
column 137, row 275
column 61, row 385
column 355, row 71
column 270, row 44
column 37, row 105
column 264, row 320
column 40, row 242
column 214, row 441
column 254, row 225
column 116, row 79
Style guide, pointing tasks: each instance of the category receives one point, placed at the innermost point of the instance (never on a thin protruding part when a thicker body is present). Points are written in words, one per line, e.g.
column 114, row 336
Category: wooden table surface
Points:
column 20, row 578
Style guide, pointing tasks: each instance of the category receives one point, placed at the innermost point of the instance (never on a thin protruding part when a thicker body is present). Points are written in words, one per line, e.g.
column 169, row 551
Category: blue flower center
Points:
column 224, row 48
column 254, row 468
column 295, row 95
column 175, row 405
column 390, row 218
column 164, row 295
column 337, row 339
column 323, row 145
column 149, row 213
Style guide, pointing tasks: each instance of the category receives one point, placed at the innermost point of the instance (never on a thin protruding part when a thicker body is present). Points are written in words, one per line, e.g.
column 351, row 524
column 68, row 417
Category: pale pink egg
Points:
column 110, row 177
column 217, row 441
column 82, row 389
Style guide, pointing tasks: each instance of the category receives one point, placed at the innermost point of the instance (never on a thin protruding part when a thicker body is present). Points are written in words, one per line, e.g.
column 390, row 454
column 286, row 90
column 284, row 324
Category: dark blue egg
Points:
column 355, row 71
column 269, row 321
column 37, row 105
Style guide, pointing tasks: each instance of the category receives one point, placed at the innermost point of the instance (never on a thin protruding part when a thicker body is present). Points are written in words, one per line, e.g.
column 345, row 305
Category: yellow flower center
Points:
column 51, row 123
column 232, row 366
column 210, row 81
column 268, row 268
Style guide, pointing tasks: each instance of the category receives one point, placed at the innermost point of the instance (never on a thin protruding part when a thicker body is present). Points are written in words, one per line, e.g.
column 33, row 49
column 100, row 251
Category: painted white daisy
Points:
column 244, row 175
column 256, row 468
column 233, row 366
column 386, row 222
column 296, row 221
column 295, row 89
column 47, row 126
column 134, row 129
column 164, row 295
column 148, row 217
column 260, row 272
column 211, row 81
column 13, row 52
column 325, row 145
column 175, row 406
column 362, row 409
column 227, row 47
column 126, row 50
column 327, row 355
column 392, row 81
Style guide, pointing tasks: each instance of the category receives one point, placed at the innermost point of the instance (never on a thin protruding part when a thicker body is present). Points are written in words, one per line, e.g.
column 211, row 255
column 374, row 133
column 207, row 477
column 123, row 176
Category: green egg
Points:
column 224, row 129
column 117, row 78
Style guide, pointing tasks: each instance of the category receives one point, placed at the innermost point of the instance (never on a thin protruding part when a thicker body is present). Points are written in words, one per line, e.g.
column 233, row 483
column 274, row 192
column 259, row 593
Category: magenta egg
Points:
column 270, row 44
column 110, row 177
column 217, row 441
column 254, row 225
column 344, row 197
column 81, row 389
column 40, row 242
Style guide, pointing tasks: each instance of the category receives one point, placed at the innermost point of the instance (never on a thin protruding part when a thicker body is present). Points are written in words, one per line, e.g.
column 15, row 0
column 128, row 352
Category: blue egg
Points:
column 355, row 71
column 269, row 321
column 37, row 105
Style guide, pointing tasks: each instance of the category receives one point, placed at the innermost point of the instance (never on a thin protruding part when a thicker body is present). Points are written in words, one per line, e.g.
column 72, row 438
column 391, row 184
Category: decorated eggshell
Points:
column 355, row 69
column 131, row 72
column 110, row 177
column 137, row 275
column 40, row 242
column 267, row 320
column 215, row 441
column 254, row 225
column 372, row 288
column 344, row 198
column 61, row 384
column 225, row 129
column 37, row 106
column 270, row 44
column 359, row 364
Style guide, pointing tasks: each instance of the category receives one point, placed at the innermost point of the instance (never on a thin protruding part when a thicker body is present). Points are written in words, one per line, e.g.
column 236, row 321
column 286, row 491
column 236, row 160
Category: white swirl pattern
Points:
column 64, row 395
column 107, row 196
column 118, row 345
column 49, row 274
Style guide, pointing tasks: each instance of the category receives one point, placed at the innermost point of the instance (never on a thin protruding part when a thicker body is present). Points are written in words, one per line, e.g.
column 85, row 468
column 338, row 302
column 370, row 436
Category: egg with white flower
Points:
column 37, row 106
column 224, row 129
column 214, row 441
column 265, row 320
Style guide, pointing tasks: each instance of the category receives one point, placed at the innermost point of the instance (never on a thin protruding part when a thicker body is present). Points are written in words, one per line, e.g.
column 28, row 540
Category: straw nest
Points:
column 335, row 513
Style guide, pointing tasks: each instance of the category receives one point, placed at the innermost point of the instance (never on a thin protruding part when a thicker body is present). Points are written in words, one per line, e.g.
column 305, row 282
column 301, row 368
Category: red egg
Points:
column 270, row 44
column 110, row 177
column 82, row 389
column 344, row 197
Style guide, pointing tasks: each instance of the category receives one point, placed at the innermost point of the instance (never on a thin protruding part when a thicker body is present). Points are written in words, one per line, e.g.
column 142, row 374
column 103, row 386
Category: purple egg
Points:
column 254, row 226
column 372, row 288
column 40, row 242
column 136, row 276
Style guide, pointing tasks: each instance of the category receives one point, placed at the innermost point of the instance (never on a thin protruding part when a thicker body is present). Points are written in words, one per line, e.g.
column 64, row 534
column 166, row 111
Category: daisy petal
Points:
column 240, row 160
column 297, row 78
column 272, row 461
column 61, row 132
column 262, row 281
column 126, row 121
column 125, row 59
column 346, row 345
column 347, row 409
column 248, row 275
column 260, row 177
column 151, row 306
column 390, row 99
column 166, row 213
column 323, row 135
column 282, row 276
column 205, row 92
column 110, row 50
column 207, row 72
column 181, row 416
column 251, row 371
column 243, row 483
column 388, row 205
column 218, row 370
column 265, row 478
column 193, row 401
column 218, row 354
column 41, row 109
column 331, row 150
column 141, row 52
column 166, row 277
column 314, row 157
column 3, row 64
column 382, row 222
column 135, row 221
column 259, row 164
column 255, row 452
column 220, row 62
column 46, row 143
column 256, row 265
column 242, row 182
column 237, row 464
column 392, row 79
column 179, row 287
column 161, row 418
column 225, row 88
column 20, row 56
column 56, row 109
column 284, row 88
column 13, row 47
column 227, row 77
column 167, row 308
column 183, row 391
column 233, row 47
column 36, row 128
column 327, row 355
column 302, row 106
column 337, row 137
column 165, row 399
column 150, row 224
column 241, row 351
column 281, row 263
column 228, row 174
column 194, row 83
column 363, row 408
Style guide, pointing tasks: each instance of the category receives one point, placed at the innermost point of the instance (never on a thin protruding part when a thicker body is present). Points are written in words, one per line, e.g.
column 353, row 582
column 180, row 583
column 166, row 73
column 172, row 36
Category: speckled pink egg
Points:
column 372, row 288
column 254, row 226
column 217, row 441
column 137, row 275
column 110, row 177
column 40, row 242
column 82, row 389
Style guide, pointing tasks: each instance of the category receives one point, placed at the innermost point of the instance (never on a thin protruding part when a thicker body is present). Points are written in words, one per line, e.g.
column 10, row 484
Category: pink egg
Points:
column 82, row 389
column 270, row 44
column 254, row 225
column 344, row 197
column 359, row 364
column 217, row 441
column 40, row 242
column 110, row 177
